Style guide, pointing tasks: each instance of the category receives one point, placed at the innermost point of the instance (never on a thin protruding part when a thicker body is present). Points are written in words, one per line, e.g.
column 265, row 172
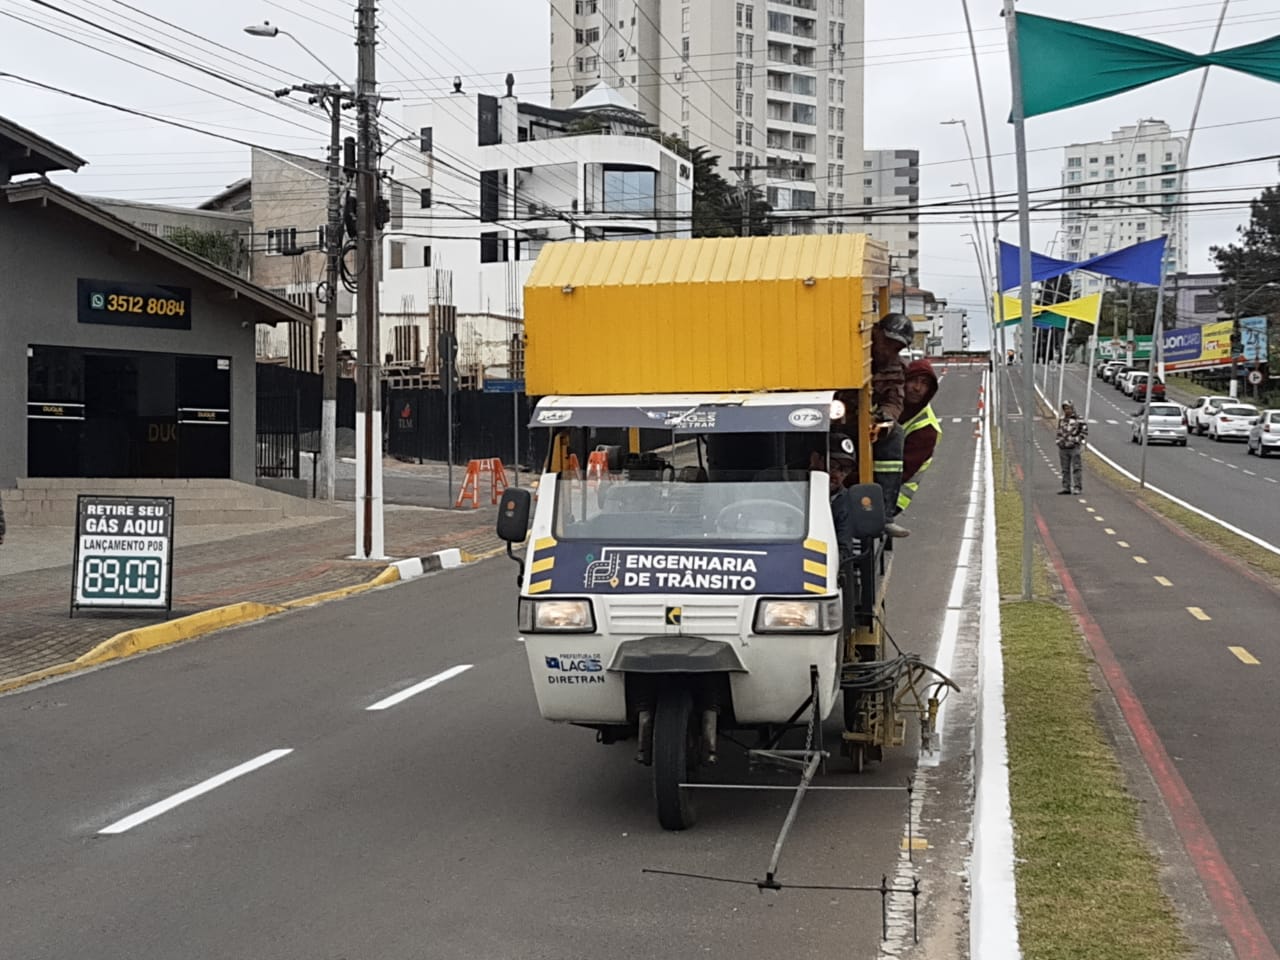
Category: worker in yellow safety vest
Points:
column 920, row 426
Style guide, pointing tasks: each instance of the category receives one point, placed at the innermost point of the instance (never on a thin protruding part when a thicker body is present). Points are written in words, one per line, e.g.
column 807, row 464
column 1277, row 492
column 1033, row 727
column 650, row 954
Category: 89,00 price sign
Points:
column 124, row 553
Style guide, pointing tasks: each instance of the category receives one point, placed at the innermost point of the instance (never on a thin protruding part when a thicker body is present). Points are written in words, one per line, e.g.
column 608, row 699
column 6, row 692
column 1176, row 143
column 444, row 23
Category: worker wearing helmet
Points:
column 841, row 462
column 920, row 426
column 888, row 337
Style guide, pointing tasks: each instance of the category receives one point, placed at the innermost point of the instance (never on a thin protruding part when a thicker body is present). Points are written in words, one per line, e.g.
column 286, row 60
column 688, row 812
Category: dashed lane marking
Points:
column 1198, row 613
column 164, row 806
column 1244, row 656
column 418, row 688
column 1138, row 559
column 1163, row 581
column 1250, row 473
column 1109, row 532
column 1122, row 543
column 1090, row 510
column 1101, row 519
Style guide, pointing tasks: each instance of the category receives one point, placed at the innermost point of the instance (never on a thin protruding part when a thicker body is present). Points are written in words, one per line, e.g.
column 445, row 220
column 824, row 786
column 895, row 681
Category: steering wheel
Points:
column 759, row 516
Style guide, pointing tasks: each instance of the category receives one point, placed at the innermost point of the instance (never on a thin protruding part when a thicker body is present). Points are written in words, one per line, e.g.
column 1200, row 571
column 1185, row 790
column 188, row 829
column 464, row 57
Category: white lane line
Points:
column 1271, row 480
column 418, row 688
column 164, row 806
column 1114, row 423
column 1164, row 581
column 1215, row 460
column 1250, row 473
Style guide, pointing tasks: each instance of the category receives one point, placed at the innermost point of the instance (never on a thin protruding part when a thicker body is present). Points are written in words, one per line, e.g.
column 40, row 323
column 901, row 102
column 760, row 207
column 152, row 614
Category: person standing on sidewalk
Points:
column 1073, row 434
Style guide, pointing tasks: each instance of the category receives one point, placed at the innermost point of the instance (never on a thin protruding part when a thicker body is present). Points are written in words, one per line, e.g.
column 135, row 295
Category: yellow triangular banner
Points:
column 1085, row 309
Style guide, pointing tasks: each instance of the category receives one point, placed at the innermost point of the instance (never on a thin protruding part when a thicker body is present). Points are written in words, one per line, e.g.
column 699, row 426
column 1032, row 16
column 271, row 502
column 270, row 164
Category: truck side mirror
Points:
column 867, row 500
column 513, row 514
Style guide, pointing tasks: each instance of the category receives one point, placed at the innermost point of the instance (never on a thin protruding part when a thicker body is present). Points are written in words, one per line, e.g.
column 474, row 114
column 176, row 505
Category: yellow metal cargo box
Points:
column 698, row 316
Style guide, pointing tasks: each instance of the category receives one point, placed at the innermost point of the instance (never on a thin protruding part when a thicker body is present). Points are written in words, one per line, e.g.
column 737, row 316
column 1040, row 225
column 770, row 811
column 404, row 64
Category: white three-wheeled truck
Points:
column 682, row 576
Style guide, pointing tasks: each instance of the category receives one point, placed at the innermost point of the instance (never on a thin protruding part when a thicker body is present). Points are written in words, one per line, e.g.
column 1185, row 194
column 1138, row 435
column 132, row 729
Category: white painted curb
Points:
column 409, row 569
column 993, row 914
column 449, row 559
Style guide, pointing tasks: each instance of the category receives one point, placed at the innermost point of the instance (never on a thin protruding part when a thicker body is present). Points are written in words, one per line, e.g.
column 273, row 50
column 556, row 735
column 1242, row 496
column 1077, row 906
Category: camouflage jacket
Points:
column 1073, row 432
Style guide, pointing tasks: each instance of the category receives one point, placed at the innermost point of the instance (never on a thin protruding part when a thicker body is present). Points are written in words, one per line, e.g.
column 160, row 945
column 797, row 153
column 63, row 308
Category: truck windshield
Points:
column 623, row 510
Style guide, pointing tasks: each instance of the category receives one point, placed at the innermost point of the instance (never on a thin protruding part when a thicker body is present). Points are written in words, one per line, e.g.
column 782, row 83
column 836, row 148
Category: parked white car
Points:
column 1124, row 381
column 1234, row 420
column 1201, row 413
column 1166, row 425
column 1264, row 435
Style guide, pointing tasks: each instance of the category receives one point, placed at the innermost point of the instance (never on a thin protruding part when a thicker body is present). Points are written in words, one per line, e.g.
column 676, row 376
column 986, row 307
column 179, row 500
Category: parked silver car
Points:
column 1233, row 421
column 1264, row 435
column 1166, row 425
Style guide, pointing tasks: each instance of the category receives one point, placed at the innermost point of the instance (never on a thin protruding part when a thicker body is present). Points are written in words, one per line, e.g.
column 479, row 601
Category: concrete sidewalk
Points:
column 213, row 566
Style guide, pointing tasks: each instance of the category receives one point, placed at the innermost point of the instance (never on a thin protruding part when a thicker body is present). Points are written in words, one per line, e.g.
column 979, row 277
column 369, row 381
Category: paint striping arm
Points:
column 164, row 806
column 418, row 688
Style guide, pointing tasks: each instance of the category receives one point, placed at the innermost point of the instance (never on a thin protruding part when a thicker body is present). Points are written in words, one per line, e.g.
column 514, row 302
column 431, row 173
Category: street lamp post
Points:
column 331, row 98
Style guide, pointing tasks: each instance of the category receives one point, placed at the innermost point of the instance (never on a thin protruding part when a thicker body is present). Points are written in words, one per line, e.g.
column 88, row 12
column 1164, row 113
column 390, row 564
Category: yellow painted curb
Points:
column 189, row 627
column 184, row 628
column 469, row 557
column 389, row 575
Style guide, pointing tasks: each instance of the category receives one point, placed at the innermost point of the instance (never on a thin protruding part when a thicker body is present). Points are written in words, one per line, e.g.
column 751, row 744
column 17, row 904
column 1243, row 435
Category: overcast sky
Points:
column 918, row 74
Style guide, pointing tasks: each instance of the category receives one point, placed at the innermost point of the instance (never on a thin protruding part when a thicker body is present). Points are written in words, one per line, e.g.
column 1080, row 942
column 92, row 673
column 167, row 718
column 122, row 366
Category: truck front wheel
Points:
column 675, row 752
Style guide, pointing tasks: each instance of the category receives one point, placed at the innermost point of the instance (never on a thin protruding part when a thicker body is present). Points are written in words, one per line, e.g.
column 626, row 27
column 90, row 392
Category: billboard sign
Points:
column 1198, row 348
column 1253, row 338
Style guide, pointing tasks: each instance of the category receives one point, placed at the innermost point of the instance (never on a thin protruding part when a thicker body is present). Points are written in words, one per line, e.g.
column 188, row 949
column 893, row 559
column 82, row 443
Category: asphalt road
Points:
column 1220, row 478
column 454, row 823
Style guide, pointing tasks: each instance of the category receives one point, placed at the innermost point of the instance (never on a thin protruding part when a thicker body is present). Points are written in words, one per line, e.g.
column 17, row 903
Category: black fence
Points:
column 288, row 417
column 484, row 425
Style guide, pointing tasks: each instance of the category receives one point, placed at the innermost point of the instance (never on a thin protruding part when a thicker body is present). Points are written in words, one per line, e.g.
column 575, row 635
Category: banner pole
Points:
column 1157, row 333
column 1024, row 269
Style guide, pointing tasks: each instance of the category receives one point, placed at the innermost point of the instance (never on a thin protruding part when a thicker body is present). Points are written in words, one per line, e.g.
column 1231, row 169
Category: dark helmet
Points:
column 897, row 326
column 840, row 446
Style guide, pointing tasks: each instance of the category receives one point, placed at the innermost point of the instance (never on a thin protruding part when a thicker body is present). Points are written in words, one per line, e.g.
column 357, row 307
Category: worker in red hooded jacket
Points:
column 920, row 426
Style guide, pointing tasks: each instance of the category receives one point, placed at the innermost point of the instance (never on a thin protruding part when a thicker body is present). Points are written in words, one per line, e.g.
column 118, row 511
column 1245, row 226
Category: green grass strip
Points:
column 1087, row 883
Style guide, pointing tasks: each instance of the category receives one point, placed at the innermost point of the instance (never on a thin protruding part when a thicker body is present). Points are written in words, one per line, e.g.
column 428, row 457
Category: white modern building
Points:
column 770, row 84
column 487, row 182
column 1123, row 191
column 891, row 178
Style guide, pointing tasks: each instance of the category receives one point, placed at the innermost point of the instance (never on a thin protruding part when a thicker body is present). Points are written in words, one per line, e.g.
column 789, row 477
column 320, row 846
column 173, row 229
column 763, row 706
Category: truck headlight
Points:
column 798, row 616
column 562, row 616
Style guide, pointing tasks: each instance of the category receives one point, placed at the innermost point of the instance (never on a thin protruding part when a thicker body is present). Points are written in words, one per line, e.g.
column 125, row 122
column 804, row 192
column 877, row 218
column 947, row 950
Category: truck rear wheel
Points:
column 675, row 752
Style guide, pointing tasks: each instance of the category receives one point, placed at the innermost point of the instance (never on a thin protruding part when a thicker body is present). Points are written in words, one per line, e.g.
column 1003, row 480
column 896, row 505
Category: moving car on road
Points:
column 1201, row 413
column 1264, row 435
column 1233, row 421
column 1166, row 425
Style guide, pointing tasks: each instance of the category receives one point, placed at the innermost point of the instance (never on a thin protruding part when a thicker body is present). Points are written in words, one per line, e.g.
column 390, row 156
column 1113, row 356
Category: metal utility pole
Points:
column 369, row 543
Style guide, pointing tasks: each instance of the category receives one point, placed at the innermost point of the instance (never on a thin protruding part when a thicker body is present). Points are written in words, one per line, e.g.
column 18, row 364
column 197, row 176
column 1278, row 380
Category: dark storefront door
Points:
column 118, row 414
column 204, row 416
